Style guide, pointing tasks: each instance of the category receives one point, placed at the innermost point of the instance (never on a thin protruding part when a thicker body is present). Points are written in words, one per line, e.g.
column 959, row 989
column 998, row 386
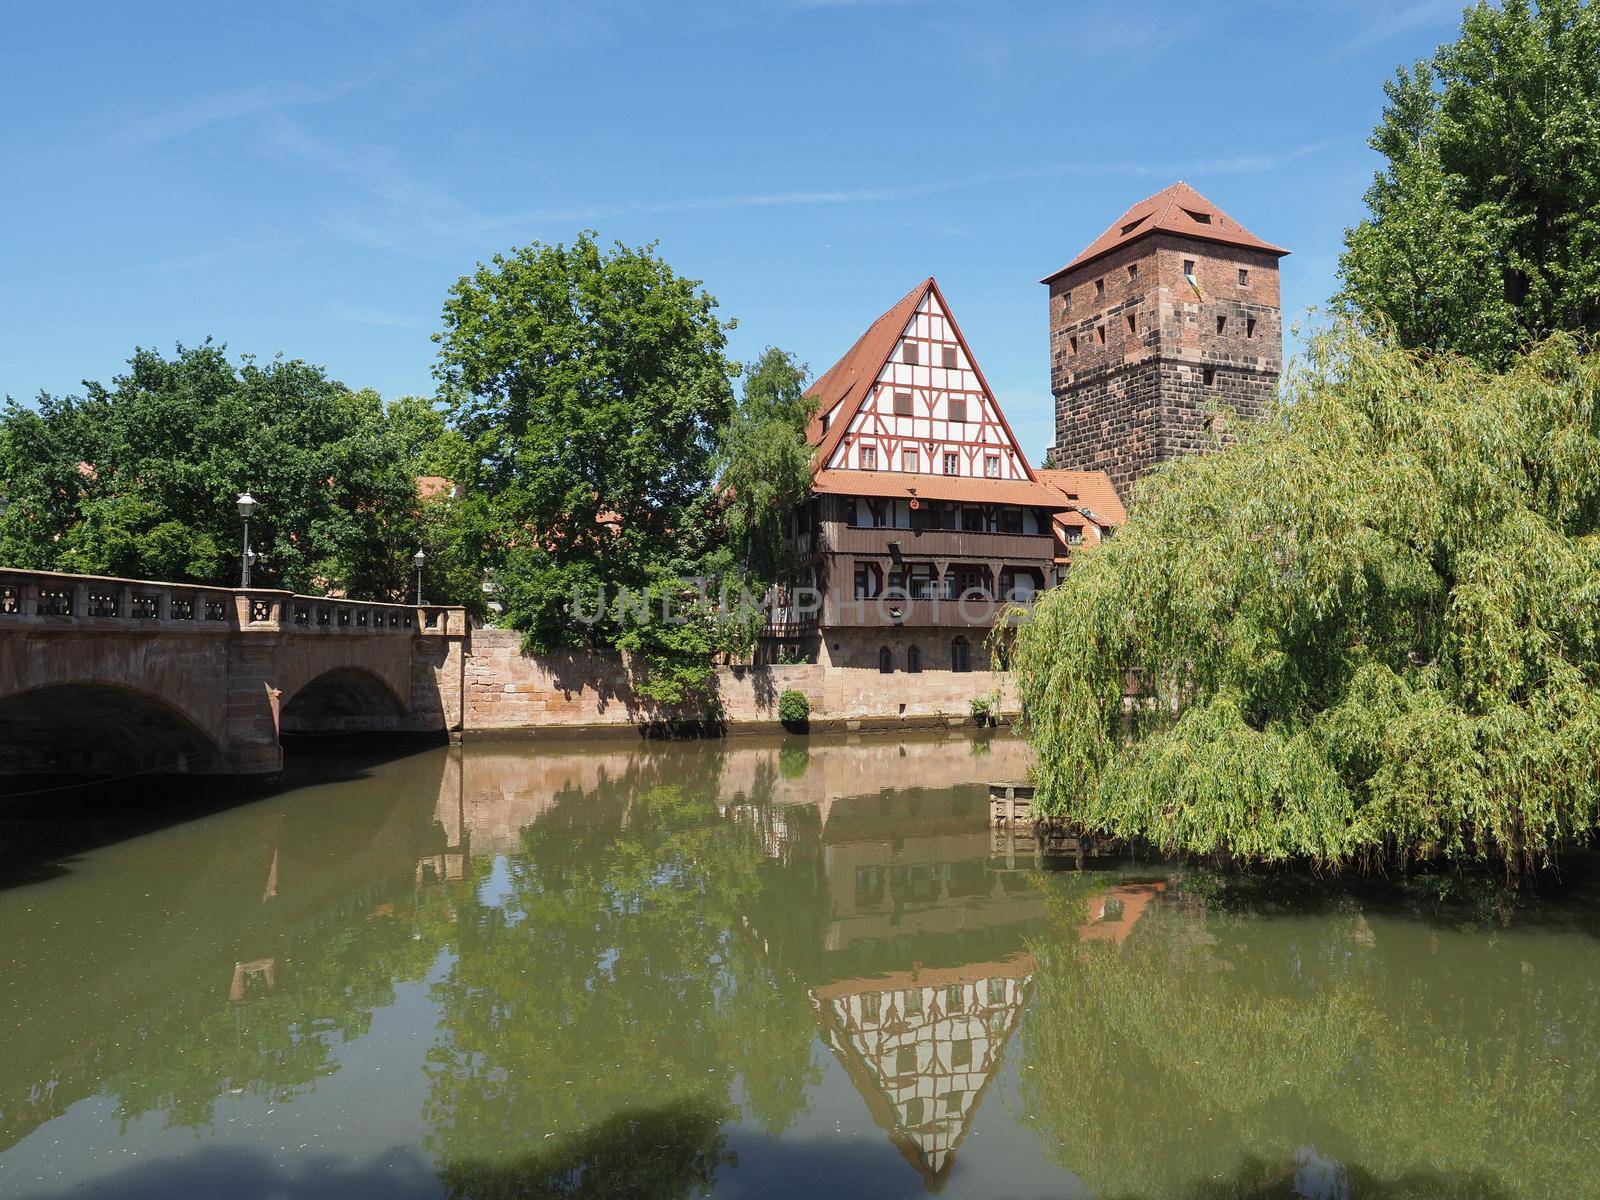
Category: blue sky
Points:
column 309, row 179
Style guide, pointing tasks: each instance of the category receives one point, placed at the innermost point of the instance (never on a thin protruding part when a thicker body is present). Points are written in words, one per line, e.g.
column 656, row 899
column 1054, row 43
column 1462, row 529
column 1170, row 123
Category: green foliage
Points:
column 140, row 478
column 982, row 710
column 1484, row 233
column 1367, row 631
column 766, row 465
column 793, row 708
column 597, row 413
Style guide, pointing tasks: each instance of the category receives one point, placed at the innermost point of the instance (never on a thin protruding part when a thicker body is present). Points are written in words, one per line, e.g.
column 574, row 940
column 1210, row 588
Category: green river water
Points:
column 752, row 968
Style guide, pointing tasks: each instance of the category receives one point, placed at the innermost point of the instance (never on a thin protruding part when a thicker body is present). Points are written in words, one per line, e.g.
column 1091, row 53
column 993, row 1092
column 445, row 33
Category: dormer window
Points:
column 1199, row 218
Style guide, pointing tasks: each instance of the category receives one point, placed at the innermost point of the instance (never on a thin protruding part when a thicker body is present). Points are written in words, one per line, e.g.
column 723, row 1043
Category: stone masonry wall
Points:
column 1140, row 356
column 508, row 690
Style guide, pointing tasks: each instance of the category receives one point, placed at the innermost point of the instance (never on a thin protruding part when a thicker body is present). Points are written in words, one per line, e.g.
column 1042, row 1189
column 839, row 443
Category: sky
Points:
column 309, row 180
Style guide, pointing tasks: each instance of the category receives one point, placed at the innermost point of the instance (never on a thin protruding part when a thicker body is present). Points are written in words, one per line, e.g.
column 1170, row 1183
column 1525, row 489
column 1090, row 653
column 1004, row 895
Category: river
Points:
column 751, row 968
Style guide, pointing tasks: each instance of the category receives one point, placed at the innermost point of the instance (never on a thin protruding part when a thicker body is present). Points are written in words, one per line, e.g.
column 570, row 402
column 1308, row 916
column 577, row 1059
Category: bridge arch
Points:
column 96, row 727
column 342, row 699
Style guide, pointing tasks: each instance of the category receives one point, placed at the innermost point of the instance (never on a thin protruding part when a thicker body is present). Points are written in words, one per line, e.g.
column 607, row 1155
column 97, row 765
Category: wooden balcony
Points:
column 880, row 612
column 943, row 544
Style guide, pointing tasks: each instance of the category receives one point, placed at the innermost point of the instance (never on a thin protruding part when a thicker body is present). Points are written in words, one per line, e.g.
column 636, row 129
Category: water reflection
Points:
column 641, row 970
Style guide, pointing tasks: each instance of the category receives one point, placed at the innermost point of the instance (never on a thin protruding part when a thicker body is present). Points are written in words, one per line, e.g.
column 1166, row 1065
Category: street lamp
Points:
column 247, row 508
column 418, row 559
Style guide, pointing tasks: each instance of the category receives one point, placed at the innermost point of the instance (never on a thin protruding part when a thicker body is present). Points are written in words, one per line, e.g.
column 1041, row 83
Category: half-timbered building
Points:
column 925, row 516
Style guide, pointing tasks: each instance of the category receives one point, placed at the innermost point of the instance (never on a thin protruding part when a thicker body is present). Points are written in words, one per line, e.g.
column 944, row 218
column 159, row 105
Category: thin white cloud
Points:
column 377, row 318
column 1392, row 22
column 230, row 106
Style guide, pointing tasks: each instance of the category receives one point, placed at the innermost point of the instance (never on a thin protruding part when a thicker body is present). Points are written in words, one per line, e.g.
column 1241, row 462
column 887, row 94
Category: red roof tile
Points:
column 1177, row 209
column 842, row 387
column 1090, row 489
column 899, row 485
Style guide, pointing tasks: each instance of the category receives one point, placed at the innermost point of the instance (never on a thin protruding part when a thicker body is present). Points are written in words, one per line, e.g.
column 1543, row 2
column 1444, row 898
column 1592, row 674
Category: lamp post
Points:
column 247, row 508
column 418, row 559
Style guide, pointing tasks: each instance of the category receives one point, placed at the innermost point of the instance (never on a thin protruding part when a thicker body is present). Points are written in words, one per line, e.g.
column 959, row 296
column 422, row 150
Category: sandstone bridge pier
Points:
column 103, row 676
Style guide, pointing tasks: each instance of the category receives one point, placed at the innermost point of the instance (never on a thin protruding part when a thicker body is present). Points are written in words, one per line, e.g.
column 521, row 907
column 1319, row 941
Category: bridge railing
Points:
column 53, row 600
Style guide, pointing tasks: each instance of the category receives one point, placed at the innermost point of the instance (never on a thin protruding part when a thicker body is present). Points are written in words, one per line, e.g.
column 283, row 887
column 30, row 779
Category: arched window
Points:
column 960, row 655
column 913, row 659
column 885, row 661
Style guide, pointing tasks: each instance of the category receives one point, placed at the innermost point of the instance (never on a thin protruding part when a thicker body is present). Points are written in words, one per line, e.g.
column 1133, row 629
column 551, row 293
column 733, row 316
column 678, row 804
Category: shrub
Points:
column 982, row 710
column 793, row 708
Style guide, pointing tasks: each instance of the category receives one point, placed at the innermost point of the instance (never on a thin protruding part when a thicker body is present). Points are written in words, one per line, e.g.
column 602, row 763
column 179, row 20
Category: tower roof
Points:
column 1177, row 209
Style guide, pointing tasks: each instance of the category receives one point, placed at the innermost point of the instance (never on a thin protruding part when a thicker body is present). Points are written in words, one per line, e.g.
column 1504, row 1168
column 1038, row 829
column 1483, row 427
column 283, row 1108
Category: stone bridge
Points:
column 108, row 676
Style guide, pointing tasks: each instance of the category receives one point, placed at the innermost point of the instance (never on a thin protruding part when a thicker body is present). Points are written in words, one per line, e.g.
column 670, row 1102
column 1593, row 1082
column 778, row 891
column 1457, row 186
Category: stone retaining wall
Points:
column 506, row 690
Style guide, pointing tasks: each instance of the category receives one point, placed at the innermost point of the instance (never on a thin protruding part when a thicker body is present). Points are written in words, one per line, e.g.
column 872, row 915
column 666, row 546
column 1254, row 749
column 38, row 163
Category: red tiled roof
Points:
column 841, row 388
column 1171, row 210
column 1092, row 489
column 901, row 486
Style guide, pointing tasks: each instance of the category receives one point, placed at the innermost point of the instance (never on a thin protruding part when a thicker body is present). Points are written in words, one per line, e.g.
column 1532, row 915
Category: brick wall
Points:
column 505, row 689
column 1128, row 397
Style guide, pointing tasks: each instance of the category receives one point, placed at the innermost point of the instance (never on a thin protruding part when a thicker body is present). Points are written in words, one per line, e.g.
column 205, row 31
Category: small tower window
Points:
column 1209, row 376
column 908, row 352
column 1188, row 271
column 1072, row 348
column 947, row 357
column 902, row 404
column 1133, row 323
column 1222, row 324
column 1244, row 277
column 952, row 463
column 1133, row 270
column 1066, row 301
column 1100, row 334
column 869, row 458
column 1249, row 327
column 1099, row 287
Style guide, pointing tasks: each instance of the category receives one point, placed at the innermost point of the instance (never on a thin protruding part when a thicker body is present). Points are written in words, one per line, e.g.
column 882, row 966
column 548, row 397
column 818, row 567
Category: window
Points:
column 869, row 458
column 885, row 661
column 1133, row 270
column 905, row 1060
column 908, row 352
column 913, row 660
column 952, row 463
column 947, row 358
column 867, row 581
column 850, row 511
column 1200, row 218
column 958, row 410
column 1074, row 535
column 869, row 1002
column 1250, row 327
column 954, row 1001
column 911, row 462
column 1066, row 301
column 1209, row 376
column 915, row 1112
column 1133, row 323
column 961, row 1052
column 953, row 1101
column 1244, row 277
column 960, row 655
column 1100, row 334
column 902, row 404
column 913, row 1007
column 972, row 520
column 1188, row 271
column 1072, row 344
column 1099, row 287
column 1010, row 520
column 991, row 466
column 1222, row 325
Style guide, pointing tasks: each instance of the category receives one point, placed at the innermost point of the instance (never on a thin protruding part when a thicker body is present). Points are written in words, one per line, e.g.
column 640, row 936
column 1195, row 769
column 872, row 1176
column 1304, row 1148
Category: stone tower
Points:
column 1168, row 316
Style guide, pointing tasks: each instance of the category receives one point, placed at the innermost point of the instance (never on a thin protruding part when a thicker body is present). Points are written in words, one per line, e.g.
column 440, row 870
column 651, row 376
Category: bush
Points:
column 793, row 708
column 982, row 710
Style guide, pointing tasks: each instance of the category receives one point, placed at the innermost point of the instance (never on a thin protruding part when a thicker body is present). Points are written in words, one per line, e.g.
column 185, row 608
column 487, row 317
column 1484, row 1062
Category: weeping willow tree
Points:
column 1368, row 631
